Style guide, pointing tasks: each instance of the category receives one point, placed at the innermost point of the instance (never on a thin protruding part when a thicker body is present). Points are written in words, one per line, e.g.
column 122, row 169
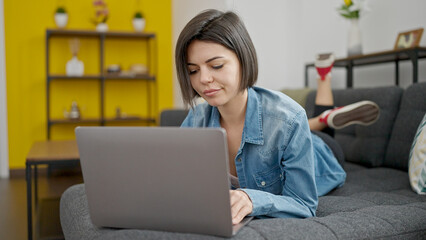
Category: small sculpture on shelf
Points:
column 61, row 17
column 74, row 66
column 114, row 69
column 135, row 70
column 118, row 113
column 74, row 113
column 138, row 69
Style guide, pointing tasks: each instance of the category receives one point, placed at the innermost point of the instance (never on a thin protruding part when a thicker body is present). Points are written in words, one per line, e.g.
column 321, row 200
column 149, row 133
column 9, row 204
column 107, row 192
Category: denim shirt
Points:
column 281, row 166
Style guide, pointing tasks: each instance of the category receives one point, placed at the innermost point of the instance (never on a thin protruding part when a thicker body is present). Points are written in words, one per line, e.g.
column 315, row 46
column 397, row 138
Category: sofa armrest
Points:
column 298, row 95
column 75, row 218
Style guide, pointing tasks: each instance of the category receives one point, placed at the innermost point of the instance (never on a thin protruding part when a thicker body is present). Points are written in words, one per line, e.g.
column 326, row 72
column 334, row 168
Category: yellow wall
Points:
column 26, row 22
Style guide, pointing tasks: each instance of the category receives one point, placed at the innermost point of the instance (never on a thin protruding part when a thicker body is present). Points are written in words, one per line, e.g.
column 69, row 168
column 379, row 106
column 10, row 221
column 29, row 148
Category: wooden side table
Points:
column 46, row 153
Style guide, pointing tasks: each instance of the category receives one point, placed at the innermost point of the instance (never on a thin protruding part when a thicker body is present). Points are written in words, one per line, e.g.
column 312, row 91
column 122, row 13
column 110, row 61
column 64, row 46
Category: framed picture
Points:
column 408, row 39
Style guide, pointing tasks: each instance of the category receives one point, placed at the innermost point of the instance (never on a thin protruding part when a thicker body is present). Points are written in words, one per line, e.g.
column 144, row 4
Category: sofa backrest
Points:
column 172, row 117
column 410, row 114
column 365, row 145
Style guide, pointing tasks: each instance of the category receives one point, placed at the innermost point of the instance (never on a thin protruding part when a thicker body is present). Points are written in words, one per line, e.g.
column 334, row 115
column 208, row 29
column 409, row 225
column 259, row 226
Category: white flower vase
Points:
column 138, row 24
column 354, row 39
column 61, row 20
column 102, row 27
column 75, row 67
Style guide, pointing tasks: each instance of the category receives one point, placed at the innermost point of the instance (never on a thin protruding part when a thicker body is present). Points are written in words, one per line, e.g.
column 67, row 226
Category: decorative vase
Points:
column 102, row 27
column 354, row 38
column 138, row 24
column 75, row 111
column 75, row 67
column 61, row 19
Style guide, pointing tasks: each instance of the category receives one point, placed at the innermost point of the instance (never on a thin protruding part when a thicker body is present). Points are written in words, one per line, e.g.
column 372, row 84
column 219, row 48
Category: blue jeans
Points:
column 327, row 135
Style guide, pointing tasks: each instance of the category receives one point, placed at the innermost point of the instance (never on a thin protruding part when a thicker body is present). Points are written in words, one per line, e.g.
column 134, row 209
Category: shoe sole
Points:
column 324, row 60
column 364, row 113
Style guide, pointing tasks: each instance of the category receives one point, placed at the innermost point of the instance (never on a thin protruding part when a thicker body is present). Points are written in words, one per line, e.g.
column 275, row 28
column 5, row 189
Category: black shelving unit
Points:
column 392, row 56
column 102, row 77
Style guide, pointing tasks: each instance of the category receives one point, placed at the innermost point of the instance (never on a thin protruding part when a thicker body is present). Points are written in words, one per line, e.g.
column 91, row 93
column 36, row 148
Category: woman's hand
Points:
column 241, row 205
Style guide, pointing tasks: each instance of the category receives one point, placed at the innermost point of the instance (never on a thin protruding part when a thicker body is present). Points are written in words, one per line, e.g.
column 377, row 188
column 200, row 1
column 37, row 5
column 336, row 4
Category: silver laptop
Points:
column 165, row 179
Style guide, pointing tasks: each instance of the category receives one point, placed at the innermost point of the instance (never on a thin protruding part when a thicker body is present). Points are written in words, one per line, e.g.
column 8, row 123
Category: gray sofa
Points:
column 375, row 202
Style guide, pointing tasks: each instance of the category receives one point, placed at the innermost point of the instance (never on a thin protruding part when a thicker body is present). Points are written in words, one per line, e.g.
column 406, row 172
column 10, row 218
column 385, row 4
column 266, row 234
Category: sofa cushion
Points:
column 386, row 207
column 379, row 222
column 410, row 114
column 373, row 203
column 245, row 233
column 404, row 221
column 417, row 160
column 376, row 196
column 367, row 180
column 365, row 144
column 298, row 95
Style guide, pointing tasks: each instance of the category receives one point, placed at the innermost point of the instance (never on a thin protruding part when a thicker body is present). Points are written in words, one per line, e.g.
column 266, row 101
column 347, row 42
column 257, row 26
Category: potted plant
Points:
column 61, row 17
column 138, row 22
column 351, row 9
column 101, row 15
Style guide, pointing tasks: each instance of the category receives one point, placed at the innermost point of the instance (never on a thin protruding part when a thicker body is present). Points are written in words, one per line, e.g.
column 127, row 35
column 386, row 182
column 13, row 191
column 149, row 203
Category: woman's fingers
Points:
column 241, row 205
column 240, row 215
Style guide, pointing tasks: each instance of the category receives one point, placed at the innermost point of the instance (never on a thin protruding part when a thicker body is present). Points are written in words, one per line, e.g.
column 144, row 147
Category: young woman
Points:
column 278, row 167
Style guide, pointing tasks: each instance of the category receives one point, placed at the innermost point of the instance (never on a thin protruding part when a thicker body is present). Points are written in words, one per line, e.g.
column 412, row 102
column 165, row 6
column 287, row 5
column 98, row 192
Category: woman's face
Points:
column 214, row 72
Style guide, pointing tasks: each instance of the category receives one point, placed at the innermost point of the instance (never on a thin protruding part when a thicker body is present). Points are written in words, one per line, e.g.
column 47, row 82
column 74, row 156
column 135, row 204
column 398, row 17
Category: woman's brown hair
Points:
column 224, row 28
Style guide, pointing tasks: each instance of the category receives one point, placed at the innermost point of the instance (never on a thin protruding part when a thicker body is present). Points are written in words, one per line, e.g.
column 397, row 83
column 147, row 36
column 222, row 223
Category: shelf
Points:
column 130, row 119
column 379, row 57
column 103, row 76
column 98, row 120
column 63, row 76
column 106, row 76
column 413, row 54
column 129, row 34
column 74, row 121
column 92, row 33
column 130, row 77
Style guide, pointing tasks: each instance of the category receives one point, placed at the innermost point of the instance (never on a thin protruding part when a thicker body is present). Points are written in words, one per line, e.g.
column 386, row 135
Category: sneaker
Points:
column 363, row 113
column 324, row 64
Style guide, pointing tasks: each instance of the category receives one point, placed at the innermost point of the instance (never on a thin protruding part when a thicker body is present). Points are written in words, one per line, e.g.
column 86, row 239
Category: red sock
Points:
column 324, row 71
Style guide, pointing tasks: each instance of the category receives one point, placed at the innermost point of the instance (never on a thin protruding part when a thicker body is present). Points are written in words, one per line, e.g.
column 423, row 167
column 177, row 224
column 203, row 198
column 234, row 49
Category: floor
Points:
column 13, row 205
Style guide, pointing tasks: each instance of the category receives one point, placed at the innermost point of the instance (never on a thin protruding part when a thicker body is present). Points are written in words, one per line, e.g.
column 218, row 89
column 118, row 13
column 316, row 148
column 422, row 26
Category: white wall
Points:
column 275, row 28
column 4, row 149
column 380, row 27
column 183, row 11
column 258, row 27
column 288, row 33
